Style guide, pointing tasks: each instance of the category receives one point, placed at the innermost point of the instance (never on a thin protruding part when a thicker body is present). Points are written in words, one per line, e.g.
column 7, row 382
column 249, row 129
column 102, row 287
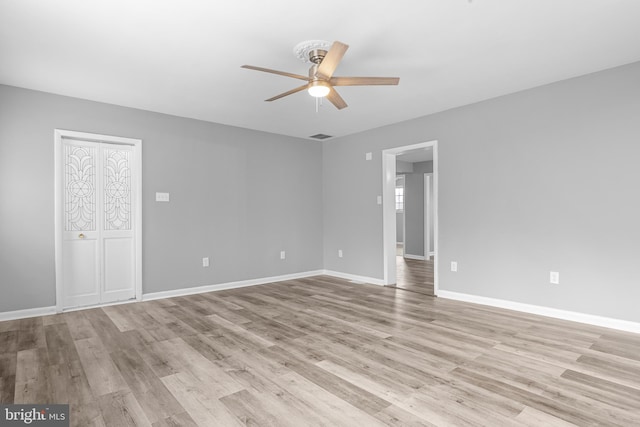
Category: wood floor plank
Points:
column 153, row 397
column 206, row 346
column 203, row 406
column 102, row 374
column 395, row 416
column 534, row 418
column 79, row 326
column 10, row 325
column 613, row 393
column 262, row 378
column 178, row 420
column 31, row 334
column 121, row 408
column 9, row 341
column 356, row 396
column 60, row 345
column 32, row 377
column 8, row 364
column 7, row 388
column 255, row 409
column 324, row 404
column 120, row 318
column 184, row 358
column 557, row 409
column 241, row 331
column 581, row 403
column 69, row 384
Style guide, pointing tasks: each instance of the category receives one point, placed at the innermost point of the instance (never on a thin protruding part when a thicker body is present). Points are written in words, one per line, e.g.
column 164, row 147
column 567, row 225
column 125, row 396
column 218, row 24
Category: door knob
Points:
column 81, row 236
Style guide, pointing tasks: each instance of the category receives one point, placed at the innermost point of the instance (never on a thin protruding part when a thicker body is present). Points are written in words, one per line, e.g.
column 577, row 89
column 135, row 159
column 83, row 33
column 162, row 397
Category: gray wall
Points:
column 540, row 180
column 399, row 227
column 237, row 196
column 414, row 214
column 403, row 167
column 423, row 167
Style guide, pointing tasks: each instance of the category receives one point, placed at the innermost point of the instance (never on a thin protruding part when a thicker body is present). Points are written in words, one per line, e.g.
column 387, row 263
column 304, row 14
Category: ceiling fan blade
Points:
column 336, row 99
column 363, row 81
column 331, row 60
column 281, row 73
column 282, row 95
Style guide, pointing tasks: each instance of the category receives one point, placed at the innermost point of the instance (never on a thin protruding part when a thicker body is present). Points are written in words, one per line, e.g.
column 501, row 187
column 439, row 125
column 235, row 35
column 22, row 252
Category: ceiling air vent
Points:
column 320, row 136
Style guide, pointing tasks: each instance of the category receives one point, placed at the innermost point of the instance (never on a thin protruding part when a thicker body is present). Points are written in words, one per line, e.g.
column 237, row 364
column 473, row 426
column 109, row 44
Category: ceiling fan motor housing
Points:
column 317, row 55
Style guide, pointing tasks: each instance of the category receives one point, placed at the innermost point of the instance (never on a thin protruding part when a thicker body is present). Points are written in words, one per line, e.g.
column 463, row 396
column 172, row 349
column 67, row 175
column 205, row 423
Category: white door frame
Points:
column 427, row 215
column 404, row 218
column 59, row 134
column 389, row 209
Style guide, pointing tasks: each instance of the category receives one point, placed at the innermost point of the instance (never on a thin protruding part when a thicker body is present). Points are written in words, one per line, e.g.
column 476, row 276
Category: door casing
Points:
column 389, row 212
column 59, row 135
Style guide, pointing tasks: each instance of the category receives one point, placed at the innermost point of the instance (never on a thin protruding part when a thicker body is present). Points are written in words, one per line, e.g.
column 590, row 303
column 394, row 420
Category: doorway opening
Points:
column 410, row 234
column 98, row 219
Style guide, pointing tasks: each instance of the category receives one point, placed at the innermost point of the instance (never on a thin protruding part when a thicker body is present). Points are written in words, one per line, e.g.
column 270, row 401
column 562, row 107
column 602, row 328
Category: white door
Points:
column 98, row 248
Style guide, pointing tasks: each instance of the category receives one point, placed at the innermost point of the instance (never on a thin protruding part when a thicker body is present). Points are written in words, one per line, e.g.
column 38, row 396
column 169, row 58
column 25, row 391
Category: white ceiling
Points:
column 184, row 57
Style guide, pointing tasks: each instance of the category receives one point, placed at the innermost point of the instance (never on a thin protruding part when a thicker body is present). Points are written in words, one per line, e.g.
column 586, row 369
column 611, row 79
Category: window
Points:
column 399, row 199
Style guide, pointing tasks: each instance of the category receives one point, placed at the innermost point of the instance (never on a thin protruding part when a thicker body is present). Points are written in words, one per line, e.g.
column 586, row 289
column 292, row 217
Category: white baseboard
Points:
column 29, row 312
column 418, row 257
column 590, row 319
column 44, row 311
column 230, row 285
column 354, row 277
column 100, row 305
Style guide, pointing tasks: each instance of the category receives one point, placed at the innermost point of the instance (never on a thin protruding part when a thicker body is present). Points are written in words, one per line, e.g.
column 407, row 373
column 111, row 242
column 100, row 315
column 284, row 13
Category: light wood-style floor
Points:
column 414, row 275
column 320, row 351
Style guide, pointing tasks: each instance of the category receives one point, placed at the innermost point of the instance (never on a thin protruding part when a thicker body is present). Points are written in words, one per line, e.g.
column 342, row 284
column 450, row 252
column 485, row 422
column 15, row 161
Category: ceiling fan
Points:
column 324, row 59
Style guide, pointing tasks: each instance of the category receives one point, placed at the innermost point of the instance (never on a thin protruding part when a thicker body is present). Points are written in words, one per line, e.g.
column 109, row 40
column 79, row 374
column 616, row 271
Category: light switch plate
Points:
column 368, row 156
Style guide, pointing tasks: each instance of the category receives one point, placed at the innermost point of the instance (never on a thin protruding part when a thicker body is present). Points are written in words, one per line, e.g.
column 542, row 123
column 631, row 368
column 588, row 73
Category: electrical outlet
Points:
column 339, row 253
column 379, row 200
column 554, row 277
column 454, row 266
column 205, row 262
column 283, row 255
column 162, row 197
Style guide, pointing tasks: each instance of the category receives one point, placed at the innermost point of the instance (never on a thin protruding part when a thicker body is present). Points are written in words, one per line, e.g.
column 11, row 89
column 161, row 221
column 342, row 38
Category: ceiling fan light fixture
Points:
column 318, row 89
